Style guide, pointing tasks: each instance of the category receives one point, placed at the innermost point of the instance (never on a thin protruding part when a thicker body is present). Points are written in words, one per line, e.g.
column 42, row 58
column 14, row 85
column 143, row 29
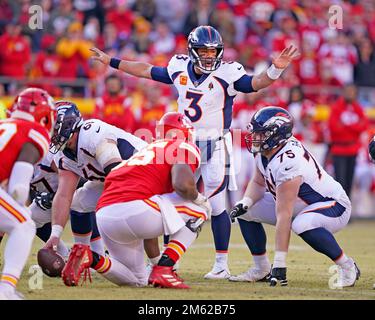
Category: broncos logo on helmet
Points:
column 268, row 128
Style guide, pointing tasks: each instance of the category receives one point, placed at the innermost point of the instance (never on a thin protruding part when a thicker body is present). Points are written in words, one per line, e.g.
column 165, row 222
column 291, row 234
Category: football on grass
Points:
column 51, row 262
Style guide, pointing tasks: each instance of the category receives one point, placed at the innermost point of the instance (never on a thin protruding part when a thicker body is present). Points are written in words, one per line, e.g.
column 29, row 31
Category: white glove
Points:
column 202, row 201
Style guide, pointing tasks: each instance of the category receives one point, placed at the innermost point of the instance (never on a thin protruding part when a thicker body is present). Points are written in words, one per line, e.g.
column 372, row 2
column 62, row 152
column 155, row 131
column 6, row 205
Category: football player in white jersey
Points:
column 44, row 185
column 87, row 149
column 293, row 192
column 206, row 88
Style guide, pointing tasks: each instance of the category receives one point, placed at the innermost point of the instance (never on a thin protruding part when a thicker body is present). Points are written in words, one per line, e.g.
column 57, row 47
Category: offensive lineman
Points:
column 300, row 196
column 87, row 149
column 206, row 88
column 24, row 140
column 151, row 194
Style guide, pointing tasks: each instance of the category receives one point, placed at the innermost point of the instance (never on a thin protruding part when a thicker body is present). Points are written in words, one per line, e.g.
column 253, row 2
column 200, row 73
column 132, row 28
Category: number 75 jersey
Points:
column 14, row 133
column 294, row 160
column 207, row 101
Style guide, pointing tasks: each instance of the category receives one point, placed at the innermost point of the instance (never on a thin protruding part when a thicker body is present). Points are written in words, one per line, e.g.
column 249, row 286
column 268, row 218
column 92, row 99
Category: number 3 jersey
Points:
column 14, row 133
column 91, row 134
column 207, row 101
column 294, row 160
column 148, row 172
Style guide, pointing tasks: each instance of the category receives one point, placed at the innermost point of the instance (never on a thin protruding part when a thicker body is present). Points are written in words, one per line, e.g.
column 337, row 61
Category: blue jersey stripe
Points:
column 228, row 103
column 310, row 196
column 126, row 148
column 333, row 212
column 160, row 74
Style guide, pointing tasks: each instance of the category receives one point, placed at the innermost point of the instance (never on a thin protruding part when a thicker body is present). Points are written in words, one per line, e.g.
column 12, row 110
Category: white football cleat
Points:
column 348, row 274
column 218, row 273
column 251, row 275
column 11, row 295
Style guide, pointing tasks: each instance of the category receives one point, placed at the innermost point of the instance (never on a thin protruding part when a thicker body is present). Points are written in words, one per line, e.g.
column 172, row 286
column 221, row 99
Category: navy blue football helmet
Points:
column 269, row 127
column 205, row 37
column 68, row 121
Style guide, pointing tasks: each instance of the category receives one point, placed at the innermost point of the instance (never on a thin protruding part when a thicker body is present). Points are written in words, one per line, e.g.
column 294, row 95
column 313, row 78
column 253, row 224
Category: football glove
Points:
column 278, row 275
column 44, row 200
column 240, row 208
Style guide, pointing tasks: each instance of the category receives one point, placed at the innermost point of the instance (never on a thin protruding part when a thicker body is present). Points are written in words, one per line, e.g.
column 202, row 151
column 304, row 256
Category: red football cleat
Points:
column 165, row 277
column 80, row 259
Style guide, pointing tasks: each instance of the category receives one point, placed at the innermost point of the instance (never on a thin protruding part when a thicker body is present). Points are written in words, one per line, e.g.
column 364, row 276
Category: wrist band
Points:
column 114, row 63
column 56, row 231
column 247, row 202
column 273, row 72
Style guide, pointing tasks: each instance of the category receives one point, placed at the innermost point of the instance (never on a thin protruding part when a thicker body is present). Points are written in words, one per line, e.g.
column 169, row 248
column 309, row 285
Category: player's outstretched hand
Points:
column 101, row 56
column 52, row 243
column 286, row 57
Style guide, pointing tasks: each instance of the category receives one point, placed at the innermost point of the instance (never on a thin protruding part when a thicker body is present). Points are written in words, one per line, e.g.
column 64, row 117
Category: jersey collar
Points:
column 196, row 82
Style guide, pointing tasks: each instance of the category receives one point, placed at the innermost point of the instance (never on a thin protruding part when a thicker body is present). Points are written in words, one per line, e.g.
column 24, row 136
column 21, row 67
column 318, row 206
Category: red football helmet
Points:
column 37, row 105
column 176, row 126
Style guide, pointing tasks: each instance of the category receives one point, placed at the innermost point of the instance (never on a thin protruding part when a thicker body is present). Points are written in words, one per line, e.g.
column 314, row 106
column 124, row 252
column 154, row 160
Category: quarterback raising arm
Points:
column 148, row 71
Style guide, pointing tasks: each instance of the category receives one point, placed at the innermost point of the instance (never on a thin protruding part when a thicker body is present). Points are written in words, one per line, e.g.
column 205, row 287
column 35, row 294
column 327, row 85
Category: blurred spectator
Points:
column 199, row 14
column 163, row 39
column 89, row 9
column 141, row 36
column 222, row 19
column 111, row 107
column 145, row 8
column 283, row 11
column 7, row 13
column 347, row 122
column 173, row 13
column 61, row 17
column 15, row 52
column 73, row 51
column 121, row 17
column 364, row 70
column 339, row 56
column 152, row 107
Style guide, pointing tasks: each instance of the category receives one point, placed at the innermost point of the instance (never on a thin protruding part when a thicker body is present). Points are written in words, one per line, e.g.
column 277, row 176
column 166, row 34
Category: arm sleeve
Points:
column 160, row 74
column 244, row 85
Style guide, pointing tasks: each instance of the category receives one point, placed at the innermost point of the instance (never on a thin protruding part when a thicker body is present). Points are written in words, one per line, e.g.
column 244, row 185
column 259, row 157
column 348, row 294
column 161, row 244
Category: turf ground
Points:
column 308, row 272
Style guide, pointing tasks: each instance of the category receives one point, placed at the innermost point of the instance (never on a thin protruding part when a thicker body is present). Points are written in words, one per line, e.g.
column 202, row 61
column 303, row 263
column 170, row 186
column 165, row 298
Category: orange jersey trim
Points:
column 15, row 213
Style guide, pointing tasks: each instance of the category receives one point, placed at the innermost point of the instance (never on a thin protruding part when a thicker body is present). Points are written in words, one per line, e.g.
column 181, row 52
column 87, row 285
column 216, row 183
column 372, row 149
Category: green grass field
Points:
column 308, row 273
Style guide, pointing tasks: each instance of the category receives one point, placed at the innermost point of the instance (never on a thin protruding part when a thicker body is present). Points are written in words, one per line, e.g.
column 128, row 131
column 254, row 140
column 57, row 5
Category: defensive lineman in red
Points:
column 24, row 140
column 151, row 194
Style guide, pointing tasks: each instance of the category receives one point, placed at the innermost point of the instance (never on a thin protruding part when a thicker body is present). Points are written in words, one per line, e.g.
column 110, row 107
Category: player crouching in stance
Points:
column 151, row 194
column 300, row 196
column 24, row 140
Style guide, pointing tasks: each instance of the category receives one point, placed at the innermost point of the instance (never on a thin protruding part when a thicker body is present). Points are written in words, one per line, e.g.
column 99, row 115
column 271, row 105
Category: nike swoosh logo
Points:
column 286, row 169
column 239, row 68
column 97, row 131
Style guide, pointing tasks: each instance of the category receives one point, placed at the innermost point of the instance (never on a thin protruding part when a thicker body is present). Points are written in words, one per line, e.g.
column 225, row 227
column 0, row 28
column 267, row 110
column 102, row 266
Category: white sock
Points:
column 261, row 262
column 121, row 275
column 279, row 261
column 97, row 246
column 221, row 259
column 18, row 248
column 342, row 260
column 82, row 238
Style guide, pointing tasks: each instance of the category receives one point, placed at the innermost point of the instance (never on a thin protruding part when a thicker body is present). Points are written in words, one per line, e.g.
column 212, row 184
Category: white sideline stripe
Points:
column 243, row 246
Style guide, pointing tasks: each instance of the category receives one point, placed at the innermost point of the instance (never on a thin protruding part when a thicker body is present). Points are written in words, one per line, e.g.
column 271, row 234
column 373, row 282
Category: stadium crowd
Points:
column 56, row 58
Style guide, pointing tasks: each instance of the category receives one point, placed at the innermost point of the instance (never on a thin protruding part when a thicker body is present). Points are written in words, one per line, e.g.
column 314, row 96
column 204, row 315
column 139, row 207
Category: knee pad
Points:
column 304, row 223
column 218, row 203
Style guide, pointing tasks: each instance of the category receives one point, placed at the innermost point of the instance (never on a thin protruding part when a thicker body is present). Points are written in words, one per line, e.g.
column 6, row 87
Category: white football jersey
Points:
column 295, row 160
column 207, row 101
column 45, row 179
column 91, row 134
